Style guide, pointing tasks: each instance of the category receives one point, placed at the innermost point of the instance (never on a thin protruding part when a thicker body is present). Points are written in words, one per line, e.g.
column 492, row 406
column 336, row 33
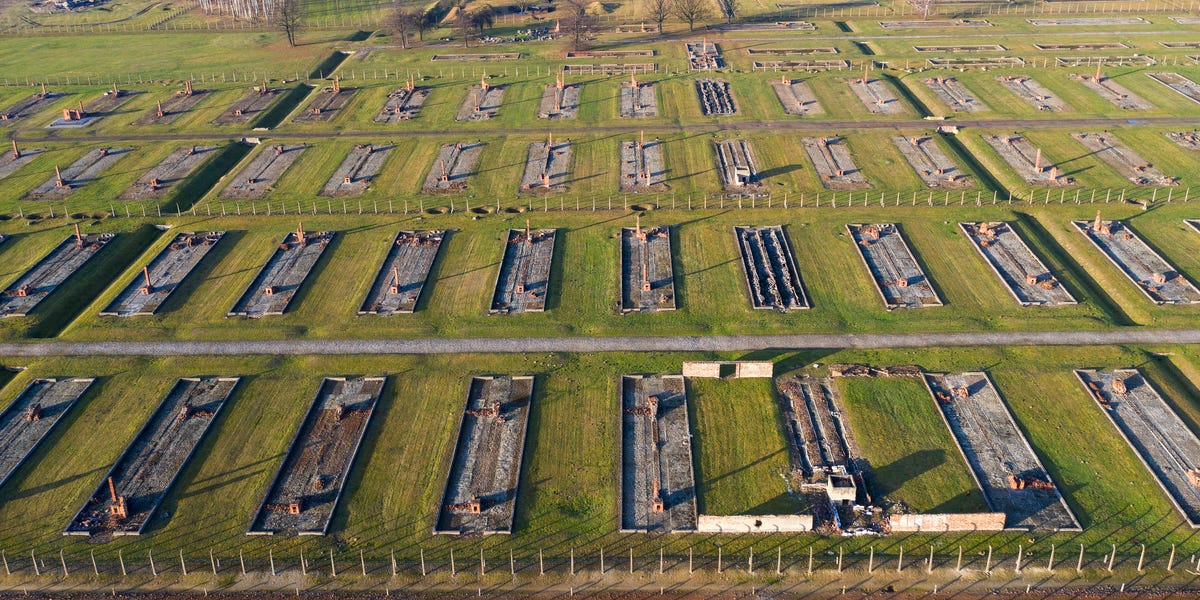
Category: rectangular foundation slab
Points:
column 642, row 167
column 796, row 97
column 1160, row 281
column 404, row 273
column 834, row 165
column 86, row 169
column 354, row 176
column 168, row 174
column 308, row 485
column 165, row 273
column 481, row 488
column 952, row 92
column 1161, row 439
column 32, row 415
column 402, row 105
column 1114, row 92
column 1005, row 466
column 547, row 166
column 272, row 290
column 524, row 278
column 893, row 267
column 658, row 488
column 251, row 106
column 148, row 468
column 772, row 278
column 1124, row 160
column 453, row 167
column 1027, row 161
column 931, row 164
column 1032, row 92
column 263, row 172
column 647, row 272
column 24, row 295
column 1015, row 264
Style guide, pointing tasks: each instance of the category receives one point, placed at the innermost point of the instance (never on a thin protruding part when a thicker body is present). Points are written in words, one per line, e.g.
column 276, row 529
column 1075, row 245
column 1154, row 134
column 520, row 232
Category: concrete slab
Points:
column 149, row 290
column 1015, row 264
column 277, row 283
column 404, row 273
column 1005, row 466
column 22, row 296
column 308, row 485
column 147, row 469
column 772, row 278
column 658, row 488
column 32, row 415
column 481, row 488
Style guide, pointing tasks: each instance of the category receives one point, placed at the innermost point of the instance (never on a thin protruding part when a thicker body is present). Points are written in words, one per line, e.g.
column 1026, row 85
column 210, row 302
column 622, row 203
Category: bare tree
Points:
column 729, row 9
column 462, row 23
column 691, row 11
column 659, row 10
column 483, row 17
column 289, row 16
column 922, row 6
column 577, row 24
column 405, row 21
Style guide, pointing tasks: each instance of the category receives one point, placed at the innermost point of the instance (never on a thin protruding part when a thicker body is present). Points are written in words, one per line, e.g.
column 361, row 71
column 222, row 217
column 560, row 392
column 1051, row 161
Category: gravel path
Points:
column 815, row 125
column 717, row 343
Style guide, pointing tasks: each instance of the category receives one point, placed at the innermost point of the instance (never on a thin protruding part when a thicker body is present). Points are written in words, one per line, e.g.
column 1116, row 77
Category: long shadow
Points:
column 533, row 427
column 309, row 284
column 891, row 477
column 434, row 275
column 555, row 285
column 199, row 275
column 1041, row 238
column 200, row 182
column 967, row 158
column 168, row 505
column 371, row 436
column 48, row 444
column 1155, row 249
column 66, row 302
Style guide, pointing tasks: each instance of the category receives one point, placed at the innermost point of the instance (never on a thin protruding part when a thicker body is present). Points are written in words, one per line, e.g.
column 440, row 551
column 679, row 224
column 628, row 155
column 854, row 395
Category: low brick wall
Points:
column 947, row 522
column 754, row 524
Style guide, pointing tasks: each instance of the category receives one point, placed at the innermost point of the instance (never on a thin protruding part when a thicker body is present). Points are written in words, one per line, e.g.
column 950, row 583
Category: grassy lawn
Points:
column 912, row 455
column 738, row 447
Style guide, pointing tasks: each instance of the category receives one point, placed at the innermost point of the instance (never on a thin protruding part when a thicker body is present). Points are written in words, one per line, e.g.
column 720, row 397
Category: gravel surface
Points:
column 714, row 343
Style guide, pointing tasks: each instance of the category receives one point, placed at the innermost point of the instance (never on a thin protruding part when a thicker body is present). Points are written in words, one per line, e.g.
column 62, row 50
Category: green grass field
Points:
column 568, row 493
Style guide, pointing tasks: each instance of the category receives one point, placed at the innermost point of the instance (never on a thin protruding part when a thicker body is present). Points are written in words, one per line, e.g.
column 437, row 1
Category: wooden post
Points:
column 572, row 566
column 362, row 561
column 271, row 557
column 958, row 565
column 95, row 568
column 631, row 561
column 455, row 574
column 212, row 559
column 63, row 560
column 422, row 562
column 1079, row 565
column 1171, row 560
column 1141, row 559
column 1112, row 557
column 871, row 561
column 512, row 564
column 541, row 565
column 1020, row 551
column 987, row 567
column 1050, row 563
column 120, row 558
column 303, row 564
column 601, row 560
column 182, row 564
column 332, row 565
column 839, row 559
column 718, row 560
column 242, row 560
column 750, row 568
column 810, row 560
column 149, row 553
column 4, row 556
column 392, row 555
column 900, row 560
column 929, row 568
column 660, row 561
